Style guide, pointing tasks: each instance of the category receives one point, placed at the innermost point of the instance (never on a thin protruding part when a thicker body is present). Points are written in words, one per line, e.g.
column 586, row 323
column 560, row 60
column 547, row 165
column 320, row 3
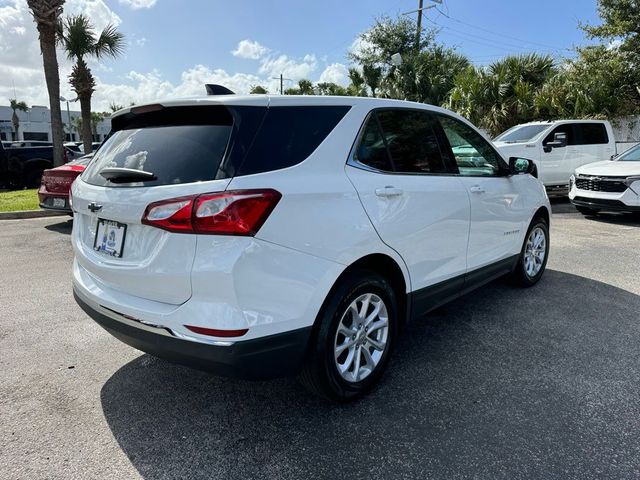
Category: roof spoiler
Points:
column 213, row 89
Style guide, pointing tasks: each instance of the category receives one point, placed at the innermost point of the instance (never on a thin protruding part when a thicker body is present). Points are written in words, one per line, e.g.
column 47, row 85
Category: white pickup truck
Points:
column 558, row 147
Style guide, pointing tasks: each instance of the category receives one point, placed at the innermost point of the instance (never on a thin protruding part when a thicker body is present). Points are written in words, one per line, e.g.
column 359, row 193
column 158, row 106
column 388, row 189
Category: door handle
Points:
column 476, row 189
column 388, row 191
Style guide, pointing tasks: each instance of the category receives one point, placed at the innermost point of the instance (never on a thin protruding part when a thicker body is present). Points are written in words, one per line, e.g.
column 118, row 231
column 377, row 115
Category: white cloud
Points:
column 358, row 46
column 21, row 64
column 335, row 73
column 20, row 59
column 289, row 67
column 137, row 4
column 250, row 49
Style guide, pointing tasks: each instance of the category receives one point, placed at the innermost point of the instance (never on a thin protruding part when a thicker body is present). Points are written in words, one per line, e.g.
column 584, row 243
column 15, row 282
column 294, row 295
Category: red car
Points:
column 56, row 184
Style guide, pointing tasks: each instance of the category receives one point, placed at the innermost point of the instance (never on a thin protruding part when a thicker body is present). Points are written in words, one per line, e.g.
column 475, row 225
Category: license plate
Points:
column 110, row 237
column 59, row 203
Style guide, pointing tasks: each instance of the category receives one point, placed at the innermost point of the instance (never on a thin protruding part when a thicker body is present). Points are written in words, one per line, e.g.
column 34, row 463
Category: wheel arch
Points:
column 542, row 212
column 386, row 266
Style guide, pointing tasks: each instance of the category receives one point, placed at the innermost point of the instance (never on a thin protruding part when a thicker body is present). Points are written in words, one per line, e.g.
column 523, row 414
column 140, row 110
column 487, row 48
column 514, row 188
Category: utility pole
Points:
column 282, row 79
column 420, row 9
column 419, row 29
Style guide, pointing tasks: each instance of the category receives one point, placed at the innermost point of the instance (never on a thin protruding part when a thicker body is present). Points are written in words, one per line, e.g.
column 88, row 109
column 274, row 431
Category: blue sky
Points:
column 207, row 31
column 176, row 45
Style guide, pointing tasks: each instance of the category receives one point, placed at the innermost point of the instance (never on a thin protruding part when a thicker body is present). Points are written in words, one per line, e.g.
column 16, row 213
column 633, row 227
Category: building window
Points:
column 38, row 136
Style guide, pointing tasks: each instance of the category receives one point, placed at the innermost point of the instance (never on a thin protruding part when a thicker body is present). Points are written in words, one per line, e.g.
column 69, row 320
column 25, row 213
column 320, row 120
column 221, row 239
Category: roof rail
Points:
column 213, row 89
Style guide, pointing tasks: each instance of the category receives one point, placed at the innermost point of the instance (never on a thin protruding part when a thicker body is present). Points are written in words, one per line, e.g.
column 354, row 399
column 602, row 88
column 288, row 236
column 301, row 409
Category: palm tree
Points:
column 504, row 93
column 306, row 87
column 357, row 87
column 372, row 77
column 15, row 106
column 46, row 14
column 258, row 89
column 77, row 36
column 96, row 118
column 114, row 107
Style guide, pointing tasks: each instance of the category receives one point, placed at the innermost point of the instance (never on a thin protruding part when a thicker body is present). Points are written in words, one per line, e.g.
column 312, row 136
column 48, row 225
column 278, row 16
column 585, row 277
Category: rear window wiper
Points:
column 125, row 175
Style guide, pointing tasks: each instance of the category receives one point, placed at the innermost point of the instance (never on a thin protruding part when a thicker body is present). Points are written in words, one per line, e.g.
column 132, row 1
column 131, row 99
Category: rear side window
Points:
column 401, row 141
column 591, row 133
column 289, row 135
column 176, row 146
column 372, row 150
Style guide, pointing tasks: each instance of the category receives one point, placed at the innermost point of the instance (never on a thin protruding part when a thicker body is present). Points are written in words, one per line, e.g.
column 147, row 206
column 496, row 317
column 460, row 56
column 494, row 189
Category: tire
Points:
column 588, row 211
column 320, row 373
column 524, row 275
column 33, row 177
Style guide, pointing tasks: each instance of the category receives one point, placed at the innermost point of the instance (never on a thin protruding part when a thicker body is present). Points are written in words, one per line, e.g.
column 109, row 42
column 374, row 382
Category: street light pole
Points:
column 62, row 99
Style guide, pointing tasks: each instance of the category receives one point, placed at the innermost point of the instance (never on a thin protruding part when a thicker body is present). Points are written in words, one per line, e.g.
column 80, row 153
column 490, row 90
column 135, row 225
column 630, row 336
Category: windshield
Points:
column 521, row 134
column 631, row 155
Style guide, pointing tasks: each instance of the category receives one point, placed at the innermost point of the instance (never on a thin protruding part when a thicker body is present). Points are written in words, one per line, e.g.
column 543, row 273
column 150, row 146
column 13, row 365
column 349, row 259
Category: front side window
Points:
column 473, row 154
column 402, row 141
column 567, row 129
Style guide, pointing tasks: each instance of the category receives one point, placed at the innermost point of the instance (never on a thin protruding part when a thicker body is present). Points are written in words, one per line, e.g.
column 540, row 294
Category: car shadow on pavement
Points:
column 561, row 205
column 61, row 227
column 627, row 219
column 503, row 383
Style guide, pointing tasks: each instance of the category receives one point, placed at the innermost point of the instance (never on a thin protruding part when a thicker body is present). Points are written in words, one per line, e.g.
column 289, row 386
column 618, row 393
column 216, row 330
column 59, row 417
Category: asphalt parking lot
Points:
column 505, row 383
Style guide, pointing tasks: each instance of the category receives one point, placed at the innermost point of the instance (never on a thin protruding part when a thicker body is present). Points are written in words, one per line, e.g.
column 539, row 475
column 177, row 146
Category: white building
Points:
column 35, row 124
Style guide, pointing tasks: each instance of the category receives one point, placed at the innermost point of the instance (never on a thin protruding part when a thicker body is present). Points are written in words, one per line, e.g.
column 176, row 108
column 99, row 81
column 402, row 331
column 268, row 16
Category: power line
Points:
column 549, row 47
column 488, row 42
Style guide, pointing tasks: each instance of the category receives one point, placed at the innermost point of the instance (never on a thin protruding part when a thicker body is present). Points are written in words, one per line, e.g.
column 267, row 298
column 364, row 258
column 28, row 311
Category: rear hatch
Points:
column 153, row 153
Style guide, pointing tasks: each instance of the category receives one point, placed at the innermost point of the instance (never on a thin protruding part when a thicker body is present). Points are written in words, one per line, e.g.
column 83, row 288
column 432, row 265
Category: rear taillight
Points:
column 239, row 212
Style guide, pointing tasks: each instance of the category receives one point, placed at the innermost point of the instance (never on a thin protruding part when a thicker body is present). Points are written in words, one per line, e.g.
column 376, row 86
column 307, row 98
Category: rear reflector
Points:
column 239, row 212
column 214, row 332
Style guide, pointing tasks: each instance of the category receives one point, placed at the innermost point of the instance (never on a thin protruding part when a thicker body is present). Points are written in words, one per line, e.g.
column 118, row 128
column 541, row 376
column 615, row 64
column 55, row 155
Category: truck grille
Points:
column 601, row 184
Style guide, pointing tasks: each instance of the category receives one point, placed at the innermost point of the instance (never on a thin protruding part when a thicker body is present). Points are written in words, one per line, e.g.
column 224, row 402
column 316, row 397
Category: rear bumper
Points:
column 47, row 201
column 273, row 356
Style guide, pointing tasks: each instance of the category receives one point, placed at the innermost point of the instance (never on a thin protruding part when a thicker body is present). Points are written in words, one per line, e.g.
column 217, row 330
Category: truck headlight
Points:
column 572, row 181
column 630, row 181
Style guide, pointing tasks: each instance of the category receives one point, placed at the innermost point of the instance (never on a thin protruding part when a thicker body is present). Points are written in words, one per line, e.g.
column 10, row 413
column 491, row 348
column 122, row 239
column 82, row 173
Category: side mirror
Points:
column 559, row 141
column 521, row 166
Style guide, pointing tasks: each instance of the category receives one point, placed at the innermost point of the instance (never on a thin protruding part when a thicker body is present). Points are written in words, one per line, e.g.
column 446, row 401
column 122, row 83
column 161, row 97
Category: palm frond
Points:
column 110, row 43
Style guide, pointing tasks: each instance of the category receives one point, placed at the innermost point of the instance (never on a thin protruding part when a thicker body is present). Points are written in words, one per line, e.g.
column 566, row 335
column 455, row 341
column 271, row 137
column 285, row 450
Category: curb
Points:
column 30, row 214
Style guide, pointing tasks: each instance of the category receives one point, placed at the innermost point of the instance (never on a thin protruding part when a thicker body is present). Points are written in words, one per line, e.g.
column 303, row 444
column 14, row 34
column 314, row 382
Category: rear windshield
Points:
column 175, row 145
column 194, row 144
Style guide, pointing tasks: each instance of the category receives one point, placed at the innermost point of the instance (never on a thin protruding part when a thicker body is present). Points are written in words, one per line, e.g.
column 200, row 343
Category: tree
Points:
column 305, row 87
column 46, row 14
column 372, row 76
column 620, row 21
column 15, row 106
column 357, row 87
column 114, row 107
column 426, row 73
column 598, row 83
column 96, row 118
column 330, row 88
column 77, row 36
column 503, row 94
column 258, row 89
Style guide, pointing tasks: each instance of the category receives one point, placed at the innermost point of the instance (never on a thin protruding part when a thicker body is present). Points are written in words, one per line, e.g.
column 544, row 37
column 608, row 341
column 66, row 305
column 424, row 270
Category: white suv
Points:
column 263, row 236
column 612, row 185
